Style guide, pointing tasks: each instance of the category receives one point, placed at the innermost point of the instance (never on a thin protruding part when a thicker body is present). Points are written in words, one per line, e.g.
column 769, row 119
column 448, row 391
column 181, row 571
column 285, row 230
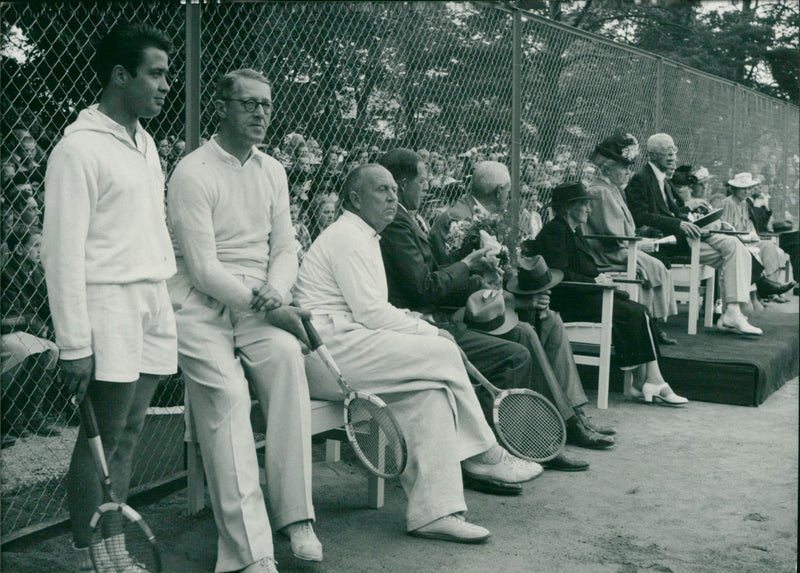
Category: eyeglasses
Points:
column 250, row 105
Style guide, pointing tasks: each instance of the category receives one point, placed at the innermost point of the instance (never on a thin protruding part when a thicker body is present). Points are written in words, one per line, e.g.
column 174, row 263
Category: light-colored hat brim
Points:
column 509, row 322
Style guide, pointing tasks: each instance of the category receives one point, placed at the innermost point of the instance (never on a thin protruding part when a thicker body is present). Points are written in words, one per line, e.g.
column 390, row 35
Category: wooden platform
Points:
column 725, row 368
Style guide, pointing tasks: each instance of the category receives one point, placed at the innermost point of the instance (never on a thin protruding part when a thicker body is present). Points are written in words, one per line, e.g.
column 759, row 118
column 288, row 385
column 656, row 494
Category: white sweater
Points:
column 230, row 220
column 104, row 220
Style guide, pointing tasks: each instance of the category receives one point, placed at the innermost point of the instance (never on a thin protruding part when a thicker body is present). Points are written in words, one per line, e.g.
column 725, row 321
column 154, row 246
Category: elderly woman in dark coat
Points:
column 614, row 157
column 563, row 246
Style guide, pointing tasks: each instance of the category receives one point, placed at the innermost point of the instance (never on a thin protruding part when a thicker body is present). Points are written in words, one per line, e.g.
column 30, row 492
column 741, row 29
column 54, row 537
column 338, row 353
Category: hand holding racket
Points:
column 527, row 423
column 120, row 538
column 371, row 428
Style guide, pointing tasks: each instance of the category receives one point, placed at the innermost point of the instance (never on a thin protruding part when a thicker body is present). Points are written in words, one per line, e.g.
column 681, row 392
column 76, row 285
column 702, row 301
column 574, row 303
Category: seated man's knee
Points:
column 279, row 346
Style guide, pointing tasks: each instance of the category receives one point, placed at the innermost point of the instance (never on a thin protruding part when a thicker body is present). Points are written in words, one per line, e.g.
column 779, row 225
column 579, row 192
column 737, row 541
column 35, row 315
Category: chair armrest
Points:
column 615, row 237
column 585, row 286
column 727, row 232
column 628, row 281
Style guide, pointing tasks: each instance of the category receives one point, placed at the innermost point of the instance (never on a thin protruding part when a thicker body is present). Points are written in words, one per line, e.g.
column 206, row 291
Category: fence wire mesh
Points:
column 350, row 80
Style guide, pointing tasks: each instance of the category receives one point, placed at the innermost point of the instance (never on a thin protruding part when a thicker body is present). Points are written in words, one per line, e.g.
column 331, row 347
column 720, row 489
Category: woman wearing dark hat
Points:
column 683, row 183
column 563, row 246
column 614, row 157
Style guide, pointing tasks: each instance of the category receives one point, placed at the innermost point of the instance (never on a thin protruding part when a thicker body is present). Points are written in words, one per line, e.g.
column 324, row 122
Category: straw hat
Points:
column 743, row 180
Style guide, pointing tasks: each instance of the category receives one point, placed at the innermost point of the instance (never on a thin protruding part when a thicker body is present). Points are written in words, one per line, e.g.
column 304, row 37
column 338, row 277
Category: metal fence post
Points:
column 192, row 76
column 734, row 130
column 516, row 114
column 659, row 111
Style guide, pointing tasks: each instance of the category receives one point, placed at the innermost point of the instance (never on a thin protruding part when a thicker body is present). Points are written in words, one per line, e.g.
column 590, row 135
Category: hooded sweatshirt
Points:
column 104, row 220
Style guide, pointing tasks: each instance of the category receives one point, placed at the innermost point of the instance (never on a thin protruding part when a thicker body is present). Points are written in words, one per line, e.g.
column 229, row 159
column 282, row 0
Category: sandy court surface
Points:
column 702, row 489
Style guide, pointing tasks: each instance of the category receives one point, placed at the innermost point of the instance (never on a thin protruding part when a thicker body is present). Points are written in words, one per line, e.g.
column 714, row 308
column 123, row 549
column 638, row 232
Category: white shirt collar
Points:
column 255, row 154
column 360, row 224
column 660, row 175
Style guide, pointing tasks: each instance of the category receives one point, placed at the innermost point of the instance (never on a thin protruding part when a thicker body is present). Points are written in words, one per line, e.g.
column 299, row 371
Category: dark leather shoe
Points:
column 587, row 421
column 490, row 486
column 581, row 436
column 664, row 338
column 562, row 463
column 766, row 287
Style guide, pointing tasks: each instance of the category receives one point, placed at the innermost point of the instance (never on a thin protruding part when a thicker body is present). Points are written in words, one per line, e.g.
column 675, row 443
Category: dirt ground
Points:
column 703, row 489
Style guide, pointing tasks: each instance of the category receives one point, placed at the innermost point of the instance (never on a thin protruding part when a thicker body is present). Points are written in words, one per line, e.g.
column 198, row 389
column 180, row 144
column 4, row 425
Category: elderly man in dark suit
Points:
column 418, row 280
column 653, row 203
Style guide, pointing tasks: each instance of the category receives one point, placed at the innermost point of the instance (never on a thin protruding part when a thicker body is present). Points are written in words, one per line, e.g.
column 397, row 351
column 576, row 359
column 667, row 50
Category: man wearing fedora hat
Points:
column 417, row 283
column 653, row 203
column 420, row 280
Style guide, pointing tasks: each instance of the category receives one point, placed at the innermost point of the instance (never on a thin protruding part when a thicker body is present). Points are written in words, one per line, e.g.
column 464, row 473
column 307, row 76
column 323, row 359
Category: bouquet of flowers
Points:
column 482, row 230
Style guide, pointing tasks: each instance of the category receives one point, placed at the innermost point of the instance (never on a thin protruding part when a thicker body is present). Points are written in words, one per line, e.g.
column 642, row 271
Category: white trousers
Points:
column 216, row 350
column 732, row 259
column 774, row 260
column 423, row 380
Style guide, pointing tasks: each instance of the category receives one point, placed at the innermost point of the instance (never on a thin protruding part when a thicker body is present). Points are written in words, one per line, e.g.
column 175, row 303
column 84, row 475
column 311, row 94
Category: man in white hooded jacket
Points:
column 107, row 254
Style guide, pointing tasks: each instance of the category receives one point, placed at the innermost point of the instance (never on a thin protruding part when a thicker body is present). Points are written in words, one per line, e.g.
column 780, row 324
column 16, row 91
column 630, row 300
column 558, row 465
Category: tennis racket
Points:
column 527, row 423
column 121, row 540
column 371, row 428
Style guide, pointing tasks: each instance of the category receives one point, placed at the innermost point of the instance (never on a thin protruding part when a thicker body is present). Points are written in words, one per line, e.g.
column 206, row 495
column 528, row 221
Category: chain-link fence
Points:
column 350, row 81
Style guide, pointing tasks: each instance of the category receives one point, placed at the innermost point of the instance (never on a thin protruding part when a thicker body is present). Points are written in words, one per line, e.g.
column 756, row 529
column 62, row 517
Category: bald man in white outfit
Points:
column 413, row 365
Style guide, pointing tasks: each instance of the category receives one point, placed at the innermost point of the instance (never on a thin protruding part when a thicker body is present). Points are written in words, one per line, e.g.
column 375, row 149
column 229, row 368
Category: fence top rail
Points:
column 631, row 49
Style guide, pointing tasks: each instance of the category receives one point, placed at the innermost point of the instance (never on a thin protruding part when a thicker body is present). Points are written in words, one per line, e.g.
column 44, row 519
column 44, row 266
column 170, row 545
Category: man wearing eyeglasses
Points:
column 653, row 203
column 232, row 231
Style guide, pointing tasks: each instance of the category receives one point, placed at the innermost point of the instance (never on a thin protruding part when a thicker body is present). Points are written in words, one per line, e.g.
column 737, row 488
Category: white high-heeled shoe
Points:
column 660, row 393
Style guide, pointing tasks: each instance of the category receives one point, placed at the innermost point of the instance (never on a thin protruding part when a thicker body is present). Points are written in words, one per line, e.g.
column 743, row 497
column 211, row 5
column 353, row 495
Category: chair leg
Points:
column 333, row 450
column 708, row 320
column 604, row 368
column 375, row 491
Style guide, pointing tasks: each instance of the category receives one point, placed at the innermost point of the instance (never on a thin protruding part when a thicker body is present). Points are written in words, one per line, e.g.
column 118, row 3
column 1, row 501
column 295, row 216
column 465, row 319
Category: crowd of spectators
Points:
column 315, row 176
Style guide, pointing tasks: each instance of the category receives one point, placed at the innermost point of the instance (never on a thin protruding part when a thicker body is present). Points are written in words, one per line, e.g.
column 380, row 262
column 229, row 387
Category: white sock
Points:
column 733, row 310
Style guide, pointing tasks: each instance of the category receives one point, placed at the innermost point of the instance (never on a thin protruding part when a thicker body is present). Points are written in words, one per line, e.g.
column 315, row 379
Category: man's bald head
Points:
column 662, row 151
column 371, row 193
column 491, row 183
column 355, row 181
column 660, row 143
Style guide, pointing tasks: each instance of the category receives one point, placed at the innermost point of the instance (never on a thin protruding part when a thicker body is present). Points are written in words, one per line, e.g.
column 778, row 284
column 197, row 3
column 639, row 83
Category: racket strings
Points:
column 530, row 427
column 377, row 436
column 129, row 549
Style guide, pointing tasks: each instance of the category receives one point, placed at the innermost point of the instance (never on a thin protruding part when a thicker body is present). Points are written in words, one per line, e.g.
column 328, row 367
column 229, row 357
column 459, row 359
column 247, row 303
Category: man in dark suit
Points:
column 419, row 281
column 653, row 203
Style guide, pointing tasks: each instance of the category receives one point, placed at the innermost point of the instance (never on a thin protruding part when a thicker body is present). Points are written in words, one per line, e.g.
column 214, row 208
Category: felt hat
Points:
column 486, row 310
column 533, row 276
column 620, row 147
column 743, row 180
column 570, row 191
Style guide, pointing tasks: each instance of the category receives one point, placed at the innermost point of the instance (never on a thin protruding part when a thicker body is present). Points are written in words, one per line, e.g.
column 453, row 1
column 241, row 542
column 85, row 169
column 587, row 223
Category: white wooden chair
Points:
column 687, row 278
column 591, row 342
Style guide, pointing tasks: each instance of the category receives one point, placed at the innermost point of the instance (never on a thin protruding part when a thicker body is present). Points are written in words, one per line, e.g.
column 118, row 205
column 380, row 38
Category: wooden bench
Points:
column 325, row 416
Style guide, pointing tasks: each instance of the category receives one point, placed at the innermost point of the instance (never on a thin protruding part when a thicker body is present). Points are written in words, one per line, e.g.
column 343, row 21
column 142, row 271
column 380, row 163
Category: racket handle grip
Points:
column 88, row 418
column 313, row 336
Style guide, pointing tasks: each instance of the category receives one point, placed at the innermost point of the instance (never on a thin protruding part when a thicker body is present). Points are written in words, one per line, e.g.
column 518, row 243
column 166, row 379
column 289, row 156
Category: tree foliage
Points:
column 752, row 43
